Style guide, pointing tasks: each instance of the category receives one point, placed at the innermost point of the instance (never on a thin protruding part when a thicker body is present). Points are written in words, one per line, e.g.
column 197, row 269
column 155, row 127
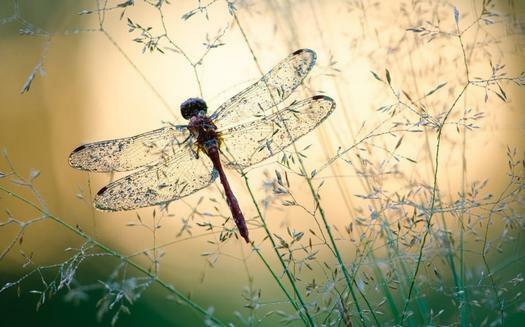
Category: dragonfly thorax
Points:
column 204, row 131
column 193, row 107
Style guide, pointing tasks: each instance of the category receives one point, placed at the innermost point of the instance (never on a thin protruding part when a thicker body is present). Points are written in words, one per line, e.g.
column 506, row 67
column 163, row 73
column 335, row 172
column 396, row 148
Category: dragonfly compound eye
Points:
column 192, row 107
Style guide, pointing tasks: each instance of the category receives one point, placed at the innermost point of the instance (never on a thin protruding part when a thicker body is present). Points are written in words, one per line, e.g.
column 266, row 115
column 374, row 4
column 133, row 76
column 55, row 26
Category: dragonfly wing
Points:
column 270, row 90
column 131, row 152
column 166, row 181
column 252, row 142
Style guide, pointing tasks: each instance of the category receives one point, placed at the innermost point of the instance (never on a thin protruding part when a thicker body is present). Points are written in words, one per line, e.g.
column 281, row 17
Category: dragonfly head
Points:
column 193, row 107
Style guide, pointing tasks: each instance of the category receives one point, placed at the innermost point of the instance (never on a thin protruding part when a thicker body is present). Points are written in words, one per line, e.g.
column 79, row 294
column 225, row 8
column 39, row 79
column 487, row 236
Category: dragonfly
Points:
column 176, row 161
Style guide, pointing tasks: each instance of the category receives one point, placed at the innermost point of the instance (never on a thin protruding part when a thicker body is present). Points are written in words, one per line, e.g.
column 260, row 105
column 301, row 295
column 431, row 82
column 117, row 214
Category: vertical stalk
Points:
column 318, row 204
column 283, row 264
column 432, row 203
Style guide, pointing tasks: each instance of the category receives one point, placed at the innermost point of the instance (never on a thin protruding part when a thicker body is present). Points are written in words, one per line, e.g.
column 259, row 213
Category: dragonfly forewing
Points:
column 130, row 153
column 252, row 142
column 270, row 90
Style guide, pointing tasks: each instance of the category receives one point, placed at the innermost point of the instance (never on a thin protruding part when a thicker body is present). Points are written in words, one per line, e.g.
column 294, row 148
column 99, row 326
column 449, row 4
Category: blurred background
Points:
column 73, row 74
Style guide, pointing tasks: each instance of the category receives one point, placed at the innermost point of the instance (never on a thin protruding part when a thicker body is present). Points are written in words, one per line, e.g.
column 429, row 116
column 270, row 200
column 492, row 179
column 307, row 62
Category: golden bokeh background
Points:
column 99, row 85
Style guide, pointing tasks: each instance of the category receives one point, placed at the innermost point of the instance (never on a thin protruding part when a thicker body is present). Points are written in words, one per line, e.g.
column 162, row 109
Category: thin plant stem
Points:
column 309, row 319
column 114, row 253
column 318, row 204
column 432, row 204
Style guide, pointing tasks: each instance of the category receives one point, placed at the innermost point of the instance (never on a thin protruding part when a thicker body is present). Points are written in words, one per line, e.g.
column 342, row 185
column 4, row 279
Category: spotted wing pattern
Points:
column 169, row 166
column 131, row 152
column 252, row 142
column 177, row 177
column 270, row 90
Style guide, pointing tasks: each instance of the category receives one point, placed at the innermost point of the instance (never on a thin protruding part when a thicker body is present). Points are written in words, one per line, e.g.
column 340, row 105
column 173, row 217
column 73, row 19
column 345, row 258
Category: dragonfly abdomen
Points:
column 237, row 215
